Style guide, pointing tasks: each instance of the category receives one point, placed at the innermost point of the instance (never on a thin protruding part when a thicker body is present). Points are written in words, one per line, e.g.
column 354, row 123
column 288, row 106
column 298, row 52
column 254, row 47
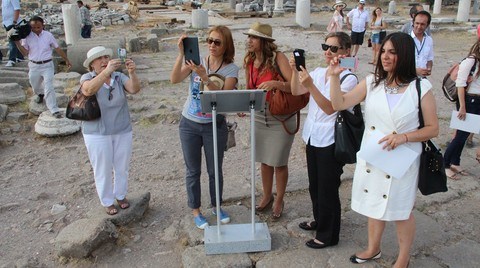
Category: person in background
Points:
column 391, row 111
column 324, row 170
column 267, row 68
column 38, row 47
column 109, row 138
column 378, row 26
column 408, row 27
column 336, row 23
column 195, row 126
column 423, row 44
column 359, row 18
column 10, row 17
column 86, row 20
column 468, row 102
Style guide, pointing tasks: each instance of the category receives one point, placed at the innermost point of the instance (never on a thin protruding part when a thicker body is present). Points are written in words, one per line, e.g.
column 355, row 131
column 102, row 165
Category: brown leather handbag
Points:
column 84, row 108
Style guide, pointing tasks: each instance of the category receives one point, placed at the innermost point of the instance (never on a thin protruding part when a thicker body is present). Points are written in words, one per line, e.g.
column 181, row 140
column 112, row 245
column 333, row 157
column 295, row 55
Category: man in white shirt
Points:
column 407, row 27
column 423, row 43
column 360, row 19
column 10, row 16
column 38, row 46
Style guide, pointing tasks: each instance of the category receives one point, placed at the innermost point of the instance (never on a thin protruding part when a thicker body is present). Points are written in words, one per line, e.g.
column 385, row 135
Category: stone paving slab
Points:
column 465, row 253
column 195, row 257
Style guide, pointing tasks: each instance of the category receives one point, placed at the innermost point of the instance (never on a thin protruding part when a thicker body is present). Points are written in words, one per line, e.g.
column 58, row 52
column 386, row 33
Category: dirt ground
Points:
column 38, row 173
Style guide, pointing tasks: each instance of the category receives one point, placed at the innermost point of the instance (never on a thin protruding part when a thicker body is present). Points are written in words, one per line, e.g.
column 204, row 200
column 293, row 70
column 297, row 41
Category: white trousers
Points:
column 41, row 80
column 109, row 153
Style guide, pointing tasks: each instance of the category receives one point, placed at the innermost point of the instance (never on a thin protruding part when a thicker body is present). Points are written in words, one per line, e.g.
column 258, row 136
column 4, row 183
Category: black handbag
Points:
column 348, row 135
column 84, row 108
column 348, row 132
column 431, row 177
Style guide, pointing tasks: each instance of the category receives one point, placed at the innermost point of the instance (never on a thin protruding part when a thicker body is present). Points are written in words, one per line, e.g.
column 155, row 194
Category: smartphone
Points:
column 349, row 62
column 122, row 54
column 190, row 47
column 299, row 55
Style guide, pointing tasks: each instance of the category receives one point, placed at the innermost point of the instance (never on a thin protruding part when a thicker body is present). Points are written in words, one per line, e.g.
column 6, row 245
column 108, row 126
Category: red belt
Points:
column 41, row 62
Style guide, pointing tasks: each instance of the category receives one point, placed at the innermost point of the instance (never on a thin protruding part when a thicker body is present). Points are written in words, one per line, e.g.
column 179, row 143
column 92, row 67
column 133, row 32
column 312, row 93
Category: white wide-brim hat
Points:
column 339, row 3
column 361, row 2
column 95, row 53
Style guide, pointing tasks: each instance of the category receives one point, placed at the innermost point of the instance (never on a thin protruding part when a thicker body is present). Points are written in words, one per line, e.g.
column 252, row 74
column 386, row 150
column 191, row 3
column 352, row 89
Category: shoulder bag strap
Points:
column 420, row 115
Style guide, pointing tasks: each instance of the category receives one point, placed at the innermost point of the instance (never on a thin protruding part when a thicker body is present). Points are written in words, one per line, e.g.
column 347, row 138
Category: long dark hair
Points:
column 475, row 53
column 405, row 69
column 269, row 50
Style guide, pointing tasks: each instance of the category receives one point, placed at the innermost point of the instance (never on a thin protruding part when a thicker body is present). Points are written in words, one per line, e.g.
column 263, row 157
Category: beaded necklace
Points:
column 392, row 90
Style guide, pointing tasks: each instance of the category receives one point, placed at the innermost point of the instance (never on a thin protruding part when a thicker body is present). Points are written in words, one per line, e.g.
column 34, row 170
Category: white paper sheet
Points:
column 470, row 124
column 395, row 162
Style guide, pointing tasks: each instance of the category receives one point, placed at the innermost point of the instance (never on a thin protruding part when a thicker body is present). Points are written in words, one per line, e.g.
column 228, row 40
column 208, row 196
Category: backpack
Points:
column 449, row 86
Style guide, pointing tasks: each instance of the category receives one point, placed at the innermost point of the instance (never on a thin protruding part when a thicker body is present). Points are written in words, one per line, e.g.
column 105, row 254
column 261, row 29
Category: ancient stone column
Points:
column 200, row 19
column 475, row 7
column 232, row 3
column 278, row 11
column 239, row 7
column 302, row 16
column 463, row 10
column 392, row 7
column 437, row 7
column 266, row 5
column 71, row 23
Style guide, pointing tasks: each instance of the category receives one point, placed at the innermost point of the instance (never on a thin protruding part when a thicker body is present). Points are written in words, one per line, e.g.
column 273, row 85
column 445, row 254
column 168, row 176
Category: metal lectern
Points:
column 235, row 238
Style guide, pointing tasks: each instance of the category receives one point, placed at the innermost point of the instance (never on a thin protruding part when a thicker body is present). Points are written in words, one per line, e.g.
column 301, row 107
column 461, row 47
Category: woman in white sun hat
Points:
column 336, row 23
column 109, row 138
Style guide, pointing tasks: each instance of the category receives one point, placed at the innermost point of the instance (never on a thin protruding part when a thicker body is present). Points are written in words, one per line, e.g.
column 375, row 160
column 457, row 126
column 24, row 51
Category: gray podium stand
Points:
column 235, row 238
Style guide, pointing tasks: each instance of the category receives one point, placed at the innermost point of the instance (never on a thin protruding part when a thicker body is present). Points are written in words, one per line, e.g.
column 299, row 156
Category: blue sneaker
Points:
column 200, row 221
column 224, row 217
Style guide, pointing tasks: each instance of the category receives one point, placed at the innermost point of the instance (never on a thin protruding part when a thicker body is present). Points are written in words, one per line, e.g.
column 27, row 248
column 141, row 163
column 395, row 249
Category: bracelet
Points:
column 406, row 137
column 206, row 83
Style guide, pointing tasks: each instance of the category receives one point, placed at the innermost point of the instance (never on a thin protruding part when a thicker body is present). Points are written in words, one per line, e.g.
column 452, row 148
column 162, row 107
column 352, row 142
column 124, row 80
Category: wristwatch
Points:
column 14, row 22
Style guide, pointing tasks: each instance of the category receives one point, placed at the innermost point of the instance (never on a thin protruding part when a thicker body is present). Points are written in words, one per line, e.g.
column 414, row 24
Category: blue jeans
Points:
column 14, row 52
column 455, row 148
column 193, row 137
column 375, row 38
column 86, row 31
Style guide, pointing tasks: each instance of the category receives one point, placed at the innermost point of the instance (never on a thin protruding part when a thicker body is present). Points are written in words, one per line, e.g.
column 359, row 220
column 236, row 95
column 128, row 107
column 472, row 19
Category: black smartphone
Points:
column 190, row 47
column 299, row 55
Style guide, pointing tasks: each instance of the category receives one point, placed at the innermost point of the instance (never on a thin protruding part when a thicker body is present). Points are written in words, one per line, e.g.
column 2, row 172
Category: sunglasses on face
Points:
column 217, row 42
column 334, row 49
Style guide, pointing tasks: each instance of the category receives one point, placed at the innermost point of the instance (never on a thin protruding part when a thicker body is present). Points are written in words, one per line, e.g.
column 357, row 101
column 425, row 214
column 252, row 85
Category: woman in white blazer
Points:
column 391, row 110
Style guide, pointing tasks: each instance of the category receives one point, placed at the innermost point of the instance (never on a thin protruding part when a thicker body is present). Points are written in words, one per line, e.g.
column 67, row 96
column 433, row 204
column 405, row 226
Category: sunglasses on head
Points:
column 110, row 95
column 334, row 49
column 217, row 42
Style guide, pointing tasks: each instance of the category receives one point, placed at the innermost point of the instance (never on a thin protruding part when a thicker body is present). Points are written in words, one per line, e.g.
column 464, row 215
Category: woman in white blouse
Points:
column 468, row 102
column 324, row 170
column 391, row 111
